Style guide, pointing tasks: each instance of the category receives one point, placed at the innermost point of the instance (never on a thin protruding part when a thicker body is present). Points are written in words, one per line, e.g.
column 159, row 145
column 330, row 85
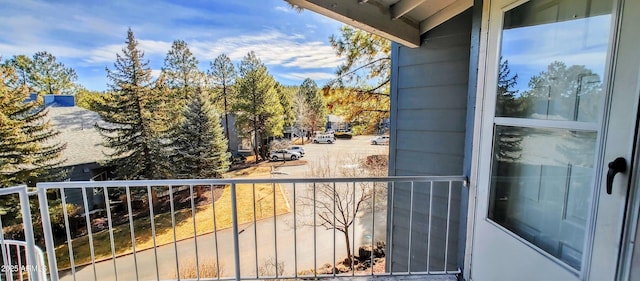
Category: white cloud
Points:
column 155, row 73
column 153, row 47
column 310, row 75
column 273, row 48
column 284, row 9
column 103, row 54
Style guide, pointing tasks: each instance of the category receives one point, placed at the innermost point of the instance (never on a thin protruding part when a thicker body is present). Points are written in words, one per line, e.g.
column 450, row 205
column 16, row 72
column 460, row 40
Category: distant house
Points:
column 335, row 122
column 84, row 151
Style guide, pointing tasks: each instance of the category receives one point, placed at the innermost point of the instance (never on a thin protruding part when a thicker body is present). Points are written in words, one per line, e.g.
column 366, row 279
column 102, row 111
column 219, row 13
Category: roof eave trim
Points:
column 367, row 17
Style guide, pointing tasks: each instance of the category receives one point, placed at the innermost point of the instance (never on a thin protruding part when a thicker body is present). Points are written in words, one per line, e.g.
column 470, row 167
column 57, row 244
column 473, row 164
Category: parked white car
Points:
column 380, row 140
column 284, row 154
column 297, row 148
column 328, row 138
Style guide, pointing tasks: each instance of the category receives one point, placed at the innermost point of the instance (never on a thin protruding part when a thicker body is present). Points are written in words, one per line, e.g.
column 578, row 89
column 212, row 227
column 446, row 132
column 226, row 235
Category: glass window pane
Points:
column 541, row 185
column 552, row 62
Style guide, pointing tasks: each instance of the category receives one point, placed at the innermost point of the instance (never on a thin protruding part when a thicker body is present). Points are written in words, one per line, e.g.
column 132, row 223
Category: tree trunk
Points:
column 198, row 191
column 154, row 199
column 348, row 243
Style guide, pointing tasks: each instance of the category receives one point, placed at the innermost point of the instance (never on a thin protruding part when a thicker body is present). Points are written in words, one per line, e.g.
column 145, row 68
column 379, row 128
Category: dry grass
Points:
column 206, row 268
column 264, row 198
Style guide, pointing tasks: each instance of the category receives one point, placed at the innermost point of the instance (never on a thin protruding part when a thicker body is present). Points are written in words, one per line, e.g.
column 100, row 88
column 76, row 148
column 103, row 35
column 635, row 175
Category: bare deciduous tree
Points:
column 339, row 205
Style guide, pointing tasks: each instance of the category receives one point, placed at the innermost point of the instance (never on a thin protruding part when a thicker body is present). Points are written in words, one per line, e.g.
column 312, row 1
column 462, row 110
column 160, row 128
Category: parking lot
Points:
column 343, row 150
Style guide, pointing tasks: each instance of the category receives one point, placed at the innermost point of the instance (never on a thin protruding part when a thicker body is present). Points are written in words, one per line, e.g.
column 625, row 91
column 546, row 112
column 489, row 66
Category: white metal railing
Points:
column 21, row 260
column 15, row 264
column 299, row 223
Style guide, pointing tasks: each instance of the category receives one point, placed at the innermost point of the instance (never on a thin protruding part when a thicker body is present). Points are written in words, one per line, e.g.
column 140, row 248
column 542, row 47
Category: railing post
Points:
column 234, row 222
column 47, row 233
column 28, row 235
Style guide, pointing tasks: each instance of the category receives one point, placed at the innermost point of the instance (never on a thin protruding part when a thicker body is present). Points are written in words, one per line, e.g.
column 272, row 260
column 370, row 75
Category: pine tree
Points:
column 27, row 149
column 23, row 66
column 259, row 113
column 286, row 94
column 180, row 71
column 507, row 103
column 50, row 77
column 136, row 117
column 316, row 116
column 200, row 149
column 508, row 139
column 223, row 75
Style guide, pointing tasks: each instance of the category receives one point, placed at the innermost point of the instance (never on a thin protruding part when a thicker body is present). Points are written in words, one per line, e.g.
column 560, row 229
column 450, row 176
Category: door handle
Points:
column 618, row 165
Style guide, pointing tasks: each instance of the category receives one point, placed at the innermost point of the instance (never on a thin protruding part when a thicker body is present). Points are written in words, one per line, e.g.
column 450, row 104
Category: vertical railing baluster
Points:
column 215, row 231
column 334, row 229
column 173, row 225
column 353, row 234
column 19, row 255
column 7, row 249
column 373, row 225
column 295, row 235
column 153, row 229
column 5, row 255
column 68, row 231
column 315, row 235
column 390, row 266
column 255, row 228
column 446, row 244
column 48, row 234
column 87, row 218
column 111, row 238
column 132, row 231
column 28, row 231
column 195, row 230
column 429, row 227
column 410, row 228
column 275, row 227
column 234, row 222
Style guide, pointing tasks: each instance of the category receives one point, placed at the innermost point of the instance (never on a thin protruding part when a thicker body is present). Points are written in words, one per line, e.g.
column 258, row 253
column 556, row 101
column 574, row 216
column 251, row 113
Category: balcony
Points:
column 397, row 228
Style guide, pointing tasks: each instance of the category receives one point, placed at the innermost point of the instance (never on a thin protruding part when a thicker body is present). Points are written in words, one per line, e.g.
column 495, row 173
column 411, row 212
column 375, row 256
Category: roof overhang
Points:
column 402, row 21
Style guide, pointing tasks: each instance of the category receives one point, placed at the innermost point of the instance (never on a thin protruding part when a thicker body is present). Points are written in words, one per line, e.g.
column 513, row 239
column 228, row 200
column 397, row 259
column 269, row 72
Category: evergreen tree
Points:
column 508, row 139
column 259, row 113
column 136, row 117
column 223, row 75
column 316, row 116
column 27, row 149
column 180, row 71
column 286, row 94
column 49, row 77
column 507, row 103
column 200, row 149
column 23, row 66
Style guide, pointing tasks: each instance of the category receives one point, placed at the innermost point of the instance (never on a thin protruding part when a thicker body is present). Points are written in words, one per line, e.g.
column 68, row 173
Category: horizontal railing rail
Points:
column 251, row 229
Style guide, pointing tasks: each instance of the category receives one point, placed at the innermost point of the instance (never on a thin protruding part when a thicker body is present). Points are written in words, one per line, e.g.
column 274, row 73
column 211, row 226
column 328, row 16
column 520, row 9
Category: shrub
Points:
column 207, row 267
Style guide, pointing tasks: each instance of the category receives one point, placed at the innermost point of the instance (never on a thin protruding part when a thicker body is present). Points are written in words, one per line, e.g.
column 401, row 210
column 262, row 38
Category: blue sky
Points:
column 86, row 35
column 531, row 49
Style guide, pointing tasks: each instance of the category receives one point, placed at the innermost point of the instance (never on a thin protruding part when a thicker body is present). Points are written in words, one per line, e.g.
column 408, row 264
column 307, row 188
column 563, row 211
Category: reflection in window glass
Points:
column 540, row 187
column 552, row 64
column 552, row 60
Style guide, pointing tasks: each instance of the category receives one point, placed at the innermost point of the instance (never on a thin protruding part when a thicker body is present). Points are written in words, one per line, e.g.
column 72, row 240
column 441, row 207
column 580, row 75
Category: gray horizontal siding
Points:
column 435, row 142
column 440, row 120
column 433, row 97
column 429, row 113
column 440, row 73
